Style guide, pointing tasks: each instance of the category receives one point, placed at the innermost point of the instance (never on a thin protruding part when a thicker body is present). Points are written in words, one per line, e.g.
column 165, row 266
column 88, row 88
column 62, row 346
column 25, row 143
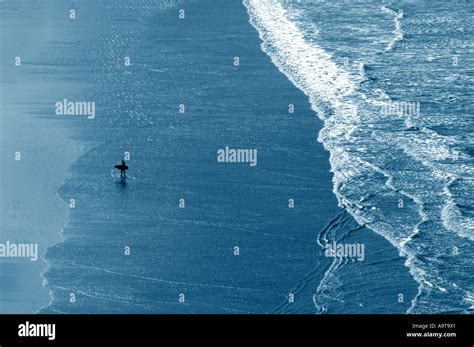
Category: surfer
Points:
column 122, row 167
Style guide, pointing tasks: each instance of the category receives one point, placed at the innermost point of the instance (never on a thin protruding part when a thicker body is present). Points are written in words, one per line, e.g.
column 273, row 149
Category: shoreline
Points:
column 331, row 88
column 42, row 220
column 31, row 210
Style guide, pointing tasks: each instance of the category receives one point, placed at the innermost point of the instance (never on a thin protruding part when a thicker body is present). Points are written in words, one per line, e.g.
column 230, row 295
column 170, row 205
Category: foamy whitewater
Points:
column 407, row 177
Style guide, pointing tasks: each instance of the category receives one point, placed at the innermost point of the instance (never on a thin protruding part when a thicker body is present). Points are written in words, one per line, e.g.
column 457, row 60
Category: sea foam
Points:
column 347, row 134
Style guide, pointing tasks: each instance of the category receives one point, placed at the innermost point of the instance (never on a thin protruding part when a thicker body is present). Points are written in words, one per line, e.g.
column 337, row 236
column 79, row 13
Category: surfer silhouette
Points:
column 122, row 167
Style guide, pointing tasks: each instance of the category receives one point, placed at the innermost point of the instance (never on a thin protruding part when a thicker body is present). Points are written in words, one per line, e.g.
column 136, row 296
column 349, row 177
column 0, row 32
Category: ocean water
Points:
column 187, row 234
column 190, row 251
column 351, row 59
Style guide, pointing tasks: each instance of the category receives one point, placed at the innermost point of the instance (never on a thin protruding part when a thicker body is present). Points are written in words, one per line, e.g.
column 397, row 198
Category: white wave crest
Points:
column 398, row 32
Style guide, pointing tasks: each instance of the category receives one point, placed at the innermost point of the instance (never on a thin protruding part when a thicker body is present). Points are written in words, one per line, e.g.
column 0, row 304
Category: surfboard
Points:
column 121, row 167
